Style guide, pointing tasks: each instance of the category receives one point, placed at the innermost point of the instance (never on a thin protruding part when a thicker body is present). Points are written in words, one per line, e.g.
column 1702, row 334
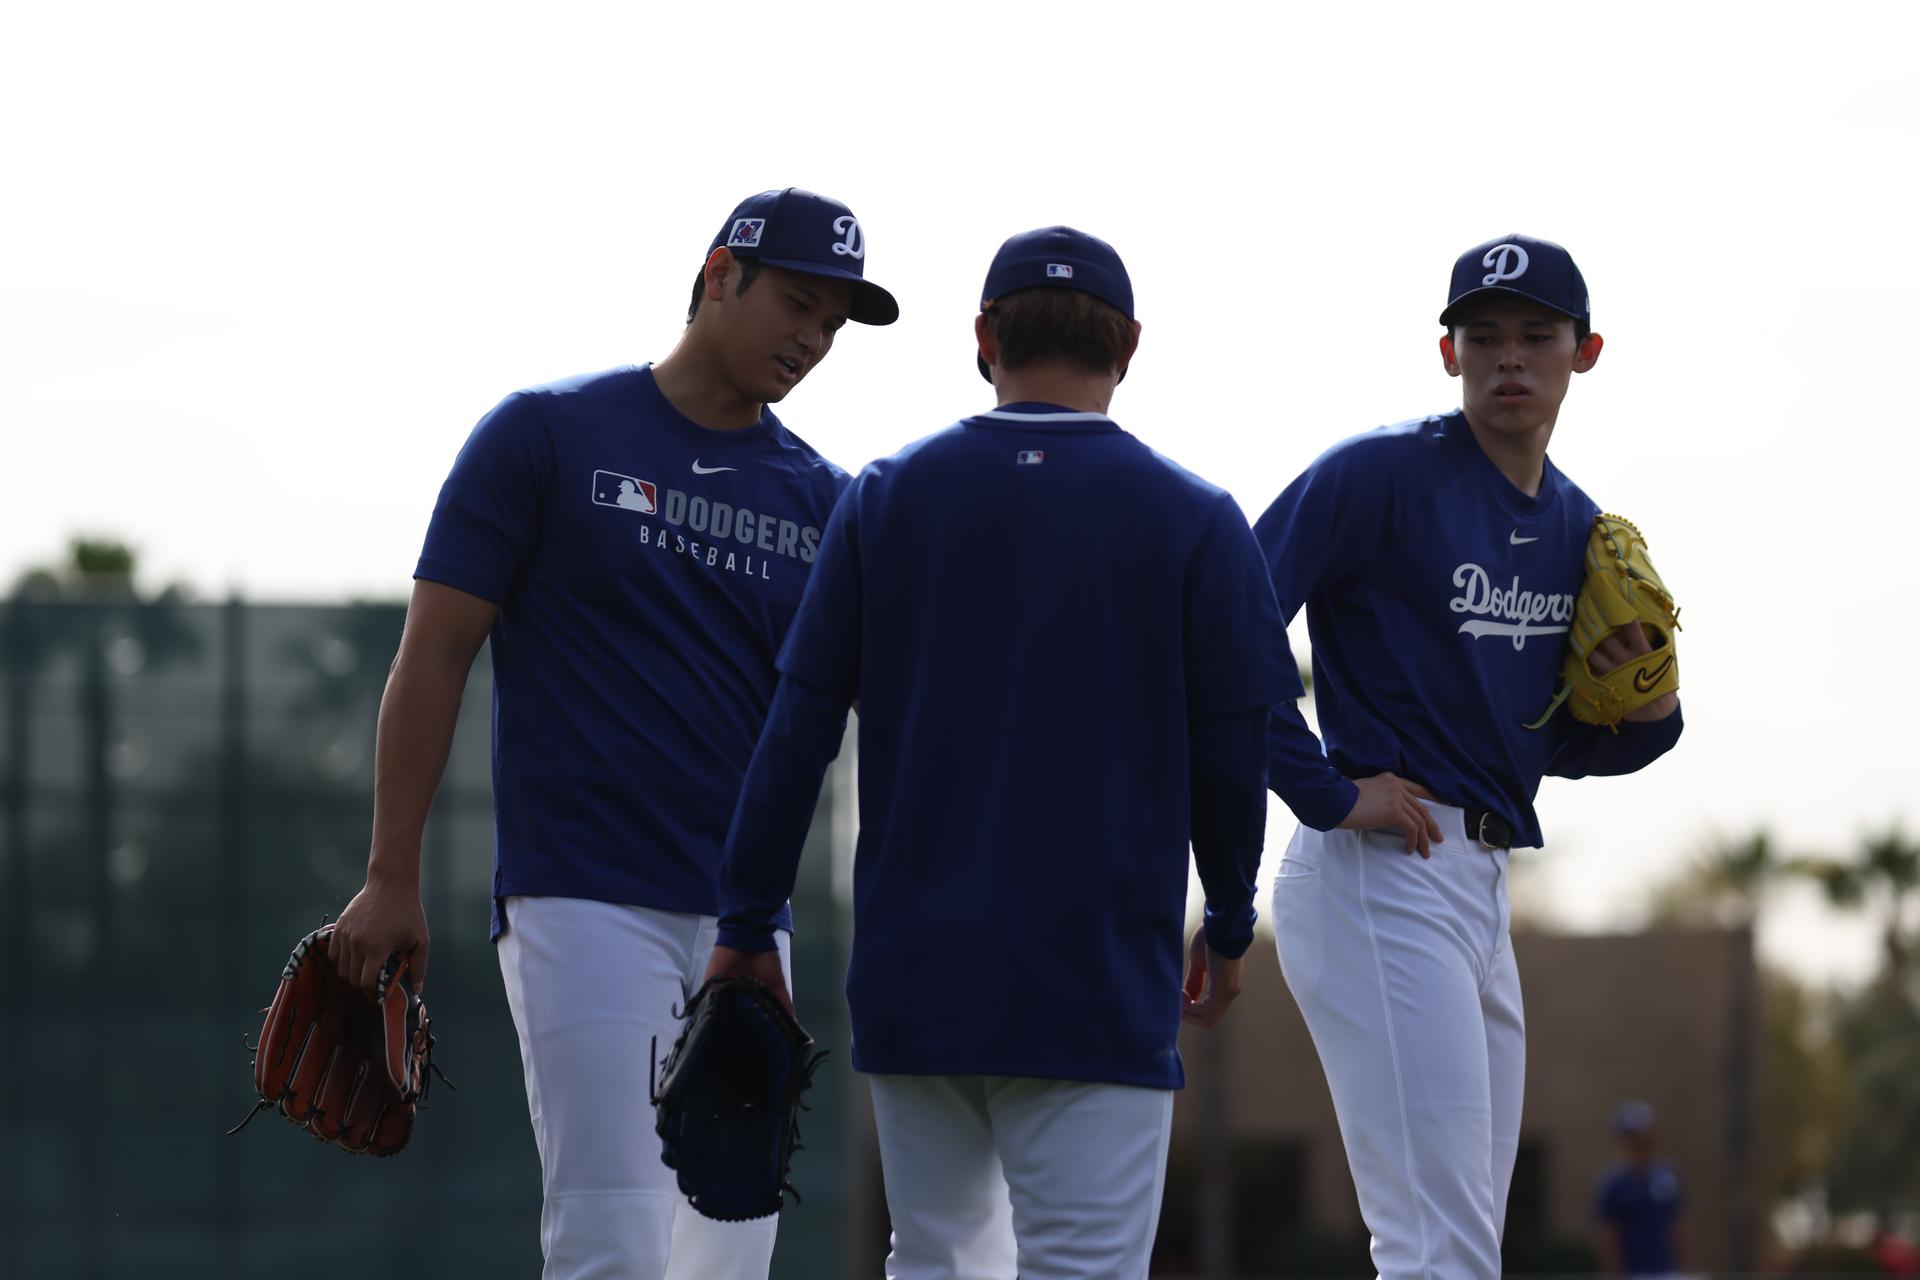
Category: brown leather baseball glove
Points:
column 348, row 1070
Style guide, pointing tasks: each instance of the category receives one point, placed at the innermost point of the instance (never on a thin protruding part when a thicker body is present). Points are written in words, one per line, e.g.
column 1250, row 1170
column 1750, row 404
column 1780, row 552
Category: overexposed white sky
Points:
column 265, row 265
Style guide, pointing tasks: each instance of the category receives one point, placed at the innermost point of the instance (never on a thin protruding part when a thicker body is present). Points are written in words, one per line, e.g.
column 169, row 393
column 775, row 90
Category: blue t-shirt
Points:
column 1438, row 598
column 1040, row 617
column 1642, row 1205
column 646, row 570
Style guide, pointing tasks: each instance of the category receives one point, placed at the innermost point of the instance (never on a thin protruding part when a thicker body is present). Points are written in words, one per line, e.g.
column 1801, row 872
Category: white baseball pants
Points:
column 1404, row 971
column 997, row 1177
column 593, row 986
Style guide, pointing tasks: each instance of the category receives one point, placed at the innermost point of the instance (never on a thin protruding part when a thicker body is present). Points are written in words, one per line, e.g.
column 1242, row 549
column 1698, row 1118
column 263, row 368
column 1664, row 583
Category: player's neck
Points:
column 1058, row 384
column 694, row 386
column 1519, row 456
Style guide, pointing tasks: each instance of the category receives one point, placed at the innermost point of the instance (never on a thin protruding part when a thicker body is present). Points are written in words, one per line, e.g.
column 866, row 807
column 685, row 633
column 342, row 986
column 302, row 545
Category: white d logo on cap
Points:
column 1509, row 262
column 855, row 244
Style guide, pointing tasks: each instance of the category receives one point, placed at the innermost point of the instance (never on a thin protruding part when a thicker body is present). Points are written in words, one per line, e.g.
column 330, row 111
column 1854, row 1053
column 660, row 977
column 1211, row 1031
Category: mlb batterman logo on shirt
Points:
column 611, row 489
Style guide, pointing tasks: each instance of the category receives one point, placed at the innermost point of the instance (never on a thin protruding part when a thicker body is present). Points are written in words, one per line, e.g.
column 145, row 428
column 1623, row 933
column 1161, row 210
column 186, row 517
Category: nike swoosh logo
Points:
column 1515, row 540
column 707, row 471
column 1644, row 680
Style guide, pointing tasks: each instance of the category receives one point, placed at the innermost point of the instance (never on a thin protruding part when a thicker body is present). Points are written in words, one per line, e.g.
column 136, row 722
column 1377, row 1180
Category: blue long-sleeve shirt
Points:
column 1063, row 648
column 1438, row 597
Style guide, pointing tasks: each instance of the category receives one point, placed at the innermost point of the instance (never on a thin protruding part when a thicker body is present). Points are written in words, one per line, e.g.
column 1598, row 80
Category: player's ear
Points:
column 983, row 335
column 720, row 268
column 1587, row 354
column 1450, row 361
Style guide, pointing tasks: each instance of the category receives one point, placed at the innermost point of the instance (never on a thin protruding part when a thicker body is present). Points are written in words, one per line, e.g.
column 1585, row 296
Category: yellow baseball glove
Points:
column 1622, row 587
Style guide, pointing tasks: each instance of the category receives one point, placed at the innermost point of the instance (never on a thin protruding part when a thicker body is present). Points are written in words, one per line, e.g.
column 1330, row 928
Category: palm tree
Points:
column 1883, row 877
column 1726, row 884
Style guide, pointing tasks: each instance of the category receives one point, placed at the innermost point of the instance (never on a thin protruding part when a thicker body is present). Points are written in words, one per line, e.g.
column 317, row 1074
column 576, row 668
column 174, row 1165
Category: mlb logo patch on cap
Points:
column 746, row 233
column 1030, row 457
column 1059, row 271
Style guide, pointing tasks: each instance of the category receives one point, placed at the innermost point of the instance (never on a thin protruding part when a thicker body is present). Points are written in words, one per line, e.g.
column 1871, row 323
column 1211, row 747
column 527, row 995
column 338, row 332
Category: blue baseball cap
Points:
column 1057, row 258
column 813, row 235
column 1632, row 1118
column 1519, row 266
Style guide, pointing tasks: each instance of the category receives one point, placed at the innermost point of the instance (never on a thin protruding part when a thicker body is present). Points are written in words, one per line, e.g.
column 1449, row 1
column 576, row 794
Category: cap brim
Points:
column 871, row 303
column 1452, row 312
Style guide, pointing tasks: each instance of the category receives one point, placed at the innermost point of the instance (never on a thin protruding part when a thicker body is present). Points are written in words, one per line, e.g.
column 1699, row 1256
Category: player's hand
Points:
column 384, row 919
column 1388, row 802
column 1615, row 650
column 763, row 966
column 1213, row 983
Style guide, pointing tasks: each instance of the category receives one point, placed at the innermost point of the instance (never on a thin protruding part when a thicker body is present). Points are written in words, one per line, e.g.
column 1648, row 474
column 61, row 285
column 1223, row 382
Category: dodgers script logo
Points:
column 1509, row 262
column 1507, row 611
column 611, row 489
column 746, row 233
column 855, row 244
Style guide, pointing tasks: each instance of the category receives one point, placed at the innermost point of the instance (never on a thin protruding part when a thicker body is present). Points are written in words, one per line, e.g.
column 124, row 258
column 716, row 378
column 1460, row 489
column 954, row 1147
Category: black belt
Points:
column 1490, row 829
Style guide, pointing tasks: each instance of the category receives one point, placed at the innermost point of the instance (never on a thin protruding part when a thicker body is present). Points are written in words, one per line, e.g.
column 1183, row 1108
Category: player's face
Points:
column 1515, row 360
column 779, row 329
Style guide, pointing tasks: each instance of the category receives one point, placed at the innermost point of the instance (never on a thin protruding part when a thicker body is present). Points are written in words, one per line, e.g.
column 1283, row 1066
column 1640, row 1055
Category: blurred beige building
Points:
column 1668, row 1017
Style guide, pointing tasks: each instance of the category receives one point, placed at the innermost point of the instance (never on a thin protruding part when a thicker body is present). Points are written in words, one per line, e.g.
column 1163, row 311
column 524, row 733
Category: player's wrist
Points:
column 1229, row 936
column 1657, row 710
column 390, row 869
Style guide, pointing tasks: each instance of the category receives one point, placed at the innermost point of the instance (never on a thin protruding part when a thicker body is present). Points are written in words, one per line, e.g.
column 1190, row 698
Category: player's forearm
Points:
column 1229, row 822
column 801, row 737
column 418, row 712
column 1298, row 772
column 1589, row 750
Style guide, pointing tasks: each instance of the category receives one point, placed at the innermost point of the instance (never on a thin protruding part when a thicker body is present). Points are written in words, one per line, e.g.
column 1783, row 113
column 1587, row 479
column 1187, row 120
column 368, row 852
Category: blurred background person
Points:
column 1638, row 1201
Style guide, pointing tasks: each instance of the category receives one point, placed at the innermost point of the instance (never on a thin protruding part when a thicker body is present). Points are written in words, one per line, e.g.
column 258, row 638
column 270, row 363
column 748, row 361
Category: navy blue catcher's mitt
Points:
column 728, row 1100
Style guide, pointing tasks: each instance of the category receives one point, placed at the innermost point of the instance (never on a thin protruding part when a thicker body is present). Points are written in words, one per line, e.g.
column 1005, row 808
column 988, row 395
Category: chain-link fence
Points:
column 184, row 790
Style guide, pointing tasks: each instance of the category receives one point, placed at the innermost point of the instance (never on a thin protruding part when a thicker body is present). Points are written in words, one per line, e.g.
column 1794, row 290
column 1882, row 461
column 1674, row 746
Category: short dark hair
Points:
column 1033, row 325
column 749, row 270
